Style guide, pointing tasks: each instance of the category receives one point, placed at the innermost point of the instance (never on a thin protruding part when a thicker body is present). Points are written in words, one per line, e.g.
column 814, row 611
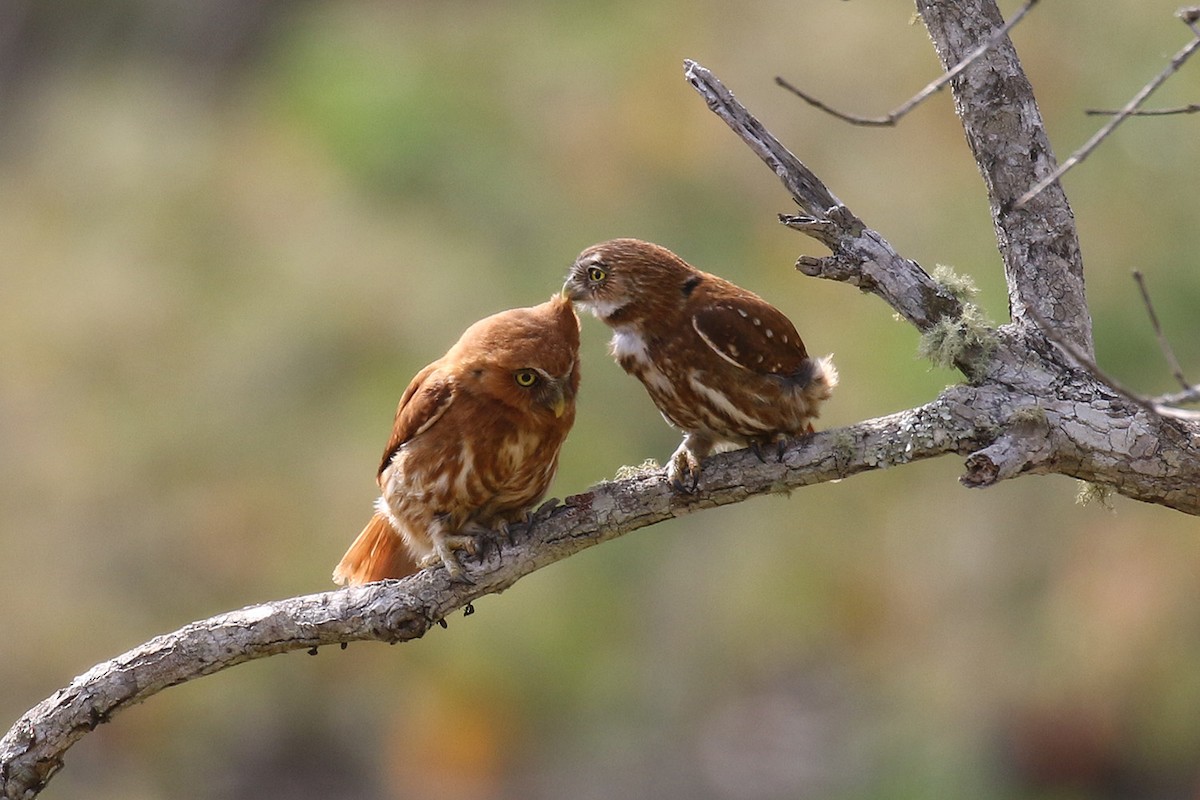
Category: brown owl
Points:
column 721, row 363
column 474, row 445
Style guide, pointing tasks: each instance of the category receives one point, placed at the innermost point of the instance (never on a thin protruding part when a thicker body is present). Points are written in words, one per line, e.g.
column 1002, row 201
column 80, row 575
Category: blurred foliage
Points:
column 231, row 232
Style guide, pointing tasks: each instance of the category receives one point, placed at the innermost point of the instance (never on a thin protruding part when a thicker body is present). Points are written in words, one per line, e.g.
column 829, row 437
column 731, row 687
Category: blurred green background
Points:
column 230, row 232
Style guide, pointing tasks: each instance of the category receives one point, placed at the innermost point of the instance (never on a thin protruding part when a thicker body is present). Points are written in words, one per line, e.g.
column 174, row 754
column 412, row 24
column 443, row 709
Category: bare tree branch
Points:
column 1126, row 111
column 396, row 611
column 932, row 88
column 860, row 255
column 1163, row 343
column 1188, row 396
column 1148, row 112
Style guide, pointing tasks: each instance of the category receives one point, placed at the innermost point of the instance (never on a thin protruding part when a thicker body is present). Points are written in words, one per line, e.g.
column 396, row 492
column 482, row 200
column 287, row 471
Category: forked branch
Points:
column 1128, row 110
column 932, row 88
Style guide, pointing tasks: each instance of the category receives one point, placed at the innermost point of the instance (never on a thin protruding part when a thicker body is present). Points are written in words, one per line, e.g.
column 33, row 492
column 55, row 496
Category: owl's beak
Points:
column 558, row 401
column 571, row 289
column 558, row 395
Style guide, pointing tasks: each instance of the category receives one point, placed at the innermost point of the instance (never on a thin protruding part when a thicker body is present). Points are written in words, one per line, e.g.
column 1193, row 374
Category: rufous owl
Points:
column 722, row 364
column 474, row 445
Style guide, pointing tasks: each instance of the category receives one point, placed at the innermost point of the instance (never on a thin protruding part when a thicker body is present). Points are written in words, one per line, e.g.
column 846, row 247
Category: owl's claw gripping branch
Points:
column 683, row 472
column 444, row 547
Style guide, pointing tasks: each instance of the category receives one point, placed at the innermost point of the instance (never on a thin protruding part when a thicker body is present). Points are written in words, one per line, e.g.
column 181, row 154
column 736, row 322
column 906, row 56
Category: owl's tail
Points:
column 377, row 553
column 822, row 377
column 818, row 376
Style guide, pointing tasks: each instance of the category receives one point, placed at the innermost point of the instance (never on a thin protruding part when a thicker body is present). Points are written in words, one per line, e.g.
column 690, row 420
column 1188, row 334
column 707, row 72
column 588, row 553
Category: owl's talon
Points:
column 485, row 537
column 459, row 577
column 684, row 472
column 456, row 571
column 444, row 547
column 759, row 447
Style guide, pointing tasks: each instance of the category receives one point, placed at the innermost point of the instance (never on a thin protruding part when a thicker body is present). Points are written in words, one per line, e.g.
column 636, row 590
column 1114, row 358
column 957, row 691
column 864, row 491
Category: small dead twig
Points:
column 1153, row 406
column 932, row 88
column 1189, row 396
column 1193, row 108
column 1190, row 392
column 1190, row 16
column 1128, row 110
column 1164, row 345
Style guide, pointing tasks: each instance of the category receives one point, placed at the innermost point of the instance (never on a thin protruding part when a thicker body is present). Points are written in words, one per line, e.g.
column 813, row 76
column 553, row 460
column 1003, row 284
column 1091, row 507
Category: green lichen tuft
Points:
column 1093, row 492
column 965, row 342
column 961, row 286
column 626, row 472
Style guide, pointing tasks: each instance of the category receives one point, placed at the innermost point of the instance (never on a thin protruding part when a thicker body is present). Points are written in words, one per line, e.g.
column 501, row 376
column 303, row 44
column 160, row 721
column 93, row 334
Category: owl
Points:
column 475, row 443
column 722, row 364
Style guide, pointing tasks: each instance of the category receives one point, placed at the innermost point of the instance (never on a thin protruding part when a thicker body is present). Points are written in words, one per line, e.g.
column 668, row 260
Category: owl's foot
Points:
column 759, row 447
column 683, row 470
column 485, row 536
column 444, row 546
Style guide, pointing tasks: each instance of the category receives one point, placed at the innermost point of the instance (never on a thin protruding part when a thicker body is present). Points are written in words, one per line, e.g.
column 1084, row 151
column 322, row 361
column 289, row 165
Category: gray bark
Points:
column 1028, row 406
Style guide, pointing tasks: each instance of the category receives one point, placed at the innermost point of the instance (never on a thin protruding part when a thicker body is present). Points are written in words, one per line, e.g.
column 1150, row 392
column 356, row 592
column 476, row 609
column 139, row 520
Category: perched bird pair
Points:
column 478, row 432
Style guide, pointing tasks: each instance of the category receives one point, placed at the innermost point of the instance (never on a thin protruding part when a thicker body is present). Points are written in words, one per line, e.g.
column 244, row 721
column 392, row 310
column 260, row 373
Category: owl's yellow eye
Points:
column 526, row 377
column 595, row 274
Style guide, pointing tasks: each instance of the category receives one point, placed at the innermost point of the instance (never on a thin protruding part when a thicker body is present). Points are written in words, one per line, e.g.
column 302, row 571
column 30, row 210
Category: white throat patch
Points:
column 627, row 343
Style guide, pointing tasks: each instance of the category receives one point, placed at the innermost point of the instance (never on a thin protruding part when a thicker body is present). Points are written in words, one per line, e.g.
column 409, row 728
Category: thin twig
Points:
column 1164, row 345
column 1190, row 16
column 1189, row 396
column 1193, row 108
column 932, row 88
column 1090, row 366
column 1129, row 108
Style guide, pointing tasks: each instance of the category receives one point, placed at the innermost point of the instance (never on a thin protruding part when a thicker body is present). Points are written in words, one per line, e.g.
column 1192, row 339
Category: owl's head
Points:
column 527, row 358
column 625, row 281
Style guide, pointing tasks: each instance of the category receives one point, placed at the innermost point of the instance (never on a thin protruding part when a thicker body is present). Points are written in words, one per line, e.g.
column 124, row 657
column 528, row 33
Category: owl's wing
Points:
column 752, row 334
column 424, row 401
